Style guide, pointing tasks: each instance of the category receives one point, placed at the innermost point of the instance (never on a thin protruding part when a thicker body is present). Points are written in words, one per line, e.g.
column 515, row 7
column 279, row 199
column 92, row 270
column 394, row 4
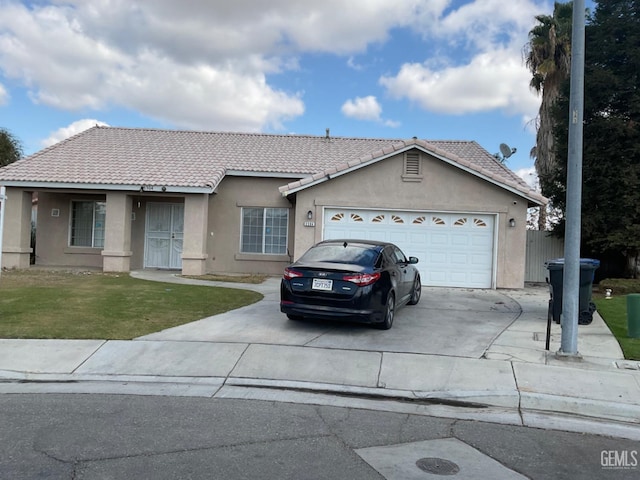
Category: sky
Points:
column 434, row 69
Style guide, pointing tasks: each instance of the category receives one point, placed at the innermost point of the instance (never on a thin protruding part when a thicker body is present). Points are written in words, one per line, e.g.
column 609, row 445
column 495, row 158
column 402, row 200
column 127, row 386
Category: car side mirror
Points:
column 413, row 260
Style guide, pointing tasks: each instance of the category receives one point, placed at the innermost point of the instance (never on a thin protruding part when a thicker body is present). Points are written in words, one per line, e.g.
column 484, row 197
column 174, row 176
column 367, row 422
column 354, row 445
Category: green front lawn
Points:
column 74, row 305
column 614, row 313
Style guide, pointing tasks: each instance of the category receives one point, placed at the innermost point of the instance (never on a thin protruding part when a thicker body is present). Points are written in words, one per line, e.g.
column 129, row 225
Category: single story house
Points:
column 201, row 202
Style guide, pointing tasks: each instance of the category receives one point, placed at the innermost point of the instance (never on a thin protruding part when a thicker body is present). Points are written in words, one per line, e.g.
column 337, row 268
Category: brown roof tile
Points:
column 131, row 156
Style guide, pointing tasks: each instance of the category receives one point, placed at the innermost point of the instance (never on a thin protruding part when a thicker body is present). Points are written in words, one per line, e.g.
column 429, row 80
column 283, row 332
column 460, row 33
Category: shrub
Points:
column 619, row 286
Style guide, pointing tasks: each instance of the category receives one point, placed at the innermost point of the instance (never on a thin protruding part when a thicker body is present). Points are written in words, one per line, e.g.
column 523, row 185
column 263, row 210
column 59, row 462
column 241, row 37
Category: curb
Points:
column 503, row 407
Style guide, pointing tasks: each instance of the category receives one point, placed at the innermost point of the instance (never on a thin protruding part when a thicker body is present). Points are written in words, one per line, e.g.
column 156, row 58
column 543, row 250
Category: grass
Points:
column 248, row 278
column 91, row 305
column 614, row 312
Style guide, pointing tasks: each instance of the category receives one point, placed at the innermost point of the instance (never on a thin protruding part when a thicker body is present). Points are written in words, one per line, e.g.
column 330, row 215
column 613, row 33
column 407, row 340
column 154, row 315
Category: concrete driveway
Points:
column 447, row 321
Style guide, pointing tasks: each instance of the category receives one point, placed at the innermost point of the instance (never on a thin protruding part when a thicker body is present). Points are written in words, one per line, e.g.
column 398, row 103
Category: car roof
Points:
column 355, row 241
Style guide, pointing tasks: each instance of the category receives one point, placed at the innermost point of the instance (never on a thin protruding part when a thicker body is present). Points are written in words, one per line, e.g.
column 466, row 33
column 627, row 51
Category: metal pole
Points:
column 3, row 198
column 571, row 279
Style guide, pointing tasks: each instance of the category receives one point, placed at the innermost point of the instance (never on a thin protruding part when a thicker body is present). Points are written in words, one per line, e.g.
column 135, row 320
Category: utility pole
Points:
column 571, row 279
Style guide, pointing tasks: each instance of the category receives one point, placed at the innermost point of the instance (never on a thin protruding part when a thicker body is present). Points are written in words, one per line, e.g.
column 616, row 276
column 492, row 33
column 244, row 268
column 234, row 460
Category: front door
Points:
column 164, row 233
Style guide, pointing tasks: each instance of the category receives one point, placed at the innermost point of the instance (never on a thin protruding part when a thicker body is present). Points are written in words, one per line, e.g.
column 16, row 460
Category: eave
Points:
column 108, row 186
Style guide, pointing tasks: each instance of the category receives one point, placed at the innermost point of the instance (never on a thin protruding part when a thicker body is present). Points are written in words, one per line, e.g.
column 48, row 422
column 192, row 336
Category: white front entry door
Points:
column 454, row 249
column 164, row 234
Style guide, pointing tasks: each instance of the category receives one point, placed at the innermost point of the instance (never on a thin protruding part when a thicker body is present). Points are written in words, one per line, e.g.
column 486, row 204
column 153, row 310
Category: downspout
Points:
column 3, row 198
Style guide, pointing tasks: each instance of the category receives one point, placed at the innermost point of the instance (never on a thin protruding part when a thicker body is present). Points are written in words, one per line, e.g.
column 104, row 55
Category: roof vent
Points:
column 412, row 163
column 328, row 136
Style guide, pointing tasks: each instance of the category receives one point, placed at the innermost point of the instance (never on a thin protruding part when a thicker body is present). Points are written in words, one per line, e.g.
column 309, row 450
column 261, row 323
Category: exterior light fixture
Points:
column 309, row 215
column 512, row 222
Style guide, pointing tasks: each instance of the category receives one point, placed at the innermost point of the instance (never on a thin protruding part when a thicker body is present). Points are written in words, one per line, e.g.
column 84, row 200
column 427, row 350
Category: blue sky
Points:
column 435, row 69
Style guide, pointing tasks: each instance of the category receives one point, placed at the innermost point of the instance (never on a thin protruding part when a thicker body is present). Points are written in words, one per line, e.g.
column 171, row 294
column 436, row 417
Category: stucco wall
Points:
column 225, row 219
column 442, row 188
column 52, row 232
column 378, row 186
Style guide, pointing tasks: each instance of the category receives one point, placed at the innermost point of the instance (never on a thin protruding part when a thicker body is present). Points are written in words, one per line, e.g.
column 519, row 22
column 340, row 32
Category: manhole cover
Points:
column 438, row 466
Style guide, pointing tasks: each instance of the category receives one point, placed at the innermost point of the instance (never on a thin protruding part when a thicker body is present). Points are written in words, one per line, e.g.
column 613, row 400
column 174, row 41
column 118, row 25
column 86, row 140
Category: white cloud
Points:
column 351, row 62
column 486, row 24
column 70, row 130
column 206, row 64
column 490, row 35
column 530, row 176
column 77, row 58
column 194, row 63
column 4, row 95
column 362, row 108
column 366, row 108
column 494, row 80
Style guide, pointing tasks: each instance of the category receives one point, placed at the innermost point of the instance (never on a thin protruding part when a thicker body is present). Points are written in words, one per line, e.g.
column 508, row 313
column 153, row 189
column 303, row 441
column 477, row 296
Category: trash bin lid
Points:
column 559, row 262
column 590, row 261
column 554, row 262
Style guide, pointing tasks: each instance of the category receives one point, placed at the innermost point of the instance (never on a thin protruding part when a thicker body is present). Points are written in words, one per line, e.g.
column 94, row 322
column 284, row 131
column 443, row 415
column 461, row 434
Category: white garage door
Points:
column 455, row 249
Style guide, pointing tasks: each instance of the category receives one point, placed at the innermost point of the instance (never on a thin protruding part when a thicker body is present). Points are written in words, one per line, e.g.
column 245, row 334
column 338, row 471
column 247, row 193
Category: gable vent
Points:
column 412, row 164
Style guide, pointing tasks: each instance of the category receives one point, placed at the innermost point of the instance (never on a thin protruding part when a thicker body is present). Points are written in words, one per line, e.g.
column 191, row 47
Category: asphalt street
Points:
column 461, row 386
column 157, row 437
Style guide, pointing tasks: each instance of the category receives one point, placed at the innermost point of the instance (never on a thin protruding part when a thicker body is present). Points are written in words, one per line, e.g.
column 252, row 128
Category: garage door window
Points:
column 264, row 230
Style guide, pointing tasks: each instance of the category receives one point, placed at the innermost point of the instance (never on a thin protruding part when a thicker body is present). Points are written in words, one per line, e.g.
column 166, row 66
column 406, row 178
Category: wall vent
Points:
column 412, row 167
column 412, row 164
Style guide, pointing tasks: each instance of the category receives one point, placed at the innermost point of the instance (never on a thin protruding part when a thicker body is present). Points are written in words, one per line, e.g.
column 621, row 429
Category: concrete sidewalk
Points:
column 515, row 381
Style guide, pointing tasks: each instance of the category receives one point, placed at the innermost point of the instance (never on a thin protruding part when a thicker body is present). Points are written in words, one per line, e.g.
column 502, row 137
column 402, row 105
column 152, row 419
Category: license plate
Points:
column 322, row 284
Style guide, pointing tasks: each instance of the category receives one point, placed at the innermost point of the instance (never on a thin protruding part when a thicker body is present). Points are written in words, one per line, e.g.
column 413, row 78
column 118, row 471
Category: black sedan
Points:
column 354, row 280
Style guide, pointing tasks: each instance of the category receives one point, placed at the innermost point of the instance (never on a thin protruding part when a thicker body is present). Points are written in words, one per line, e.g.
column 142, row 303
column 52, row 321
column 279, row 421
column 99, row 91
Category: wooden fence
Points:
column 541, row 246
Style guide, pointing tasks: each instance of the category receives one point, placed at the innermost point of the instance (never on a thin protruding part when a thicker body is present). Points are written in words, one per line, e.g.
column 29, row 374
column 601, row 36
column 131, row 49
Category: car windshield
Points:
column 338, row 253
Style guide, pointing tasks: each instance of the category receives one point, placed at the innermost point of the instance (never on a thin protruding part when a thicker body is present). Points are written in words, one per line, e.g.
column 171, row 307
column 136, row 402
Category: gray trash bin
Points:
column 588, row 267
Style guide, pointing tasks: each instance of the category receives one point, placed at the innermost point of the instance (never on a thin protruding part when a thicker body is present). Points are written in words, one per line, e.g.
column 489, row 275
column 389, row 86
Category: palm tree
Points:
column 10, row 148
column 548, row 57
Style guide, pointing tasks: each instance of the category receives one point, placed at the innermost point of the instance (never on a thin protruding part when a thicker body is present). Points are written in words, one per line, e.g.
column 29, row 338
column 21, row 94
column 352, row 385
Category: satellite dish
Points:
column 506, row 150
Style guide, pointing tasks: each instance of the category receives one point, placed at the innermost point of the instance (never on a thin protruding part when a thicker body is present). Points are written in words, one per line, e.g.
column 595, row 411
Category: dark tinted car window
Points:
column 400, row 258
column 355, row 254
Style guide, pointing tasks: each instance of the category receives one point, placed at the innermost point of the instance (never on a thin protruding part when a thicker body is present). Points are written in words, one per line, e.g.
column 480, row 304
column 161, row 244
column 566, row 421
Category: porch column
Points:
column 16, row 237
column 116, row 255
column 196, row 228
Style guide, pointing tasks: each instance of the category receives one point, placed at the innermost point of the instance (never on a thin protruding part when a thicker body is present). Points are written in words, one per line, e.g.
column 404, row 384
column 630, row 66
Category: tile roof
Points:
column 130, row 156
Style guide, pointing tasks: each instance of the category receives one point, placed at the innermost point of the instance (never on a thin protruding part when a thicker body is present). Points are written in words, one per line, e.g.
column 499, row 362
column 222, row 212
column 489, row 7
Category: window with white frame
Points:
column 264, row 230
column 87, row 224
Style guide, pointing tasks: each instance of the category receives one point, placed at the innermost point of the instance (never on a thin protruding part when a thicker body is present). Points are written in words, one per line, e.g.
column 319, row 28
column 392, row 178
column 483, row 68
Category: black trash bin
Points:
column 588, row 267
